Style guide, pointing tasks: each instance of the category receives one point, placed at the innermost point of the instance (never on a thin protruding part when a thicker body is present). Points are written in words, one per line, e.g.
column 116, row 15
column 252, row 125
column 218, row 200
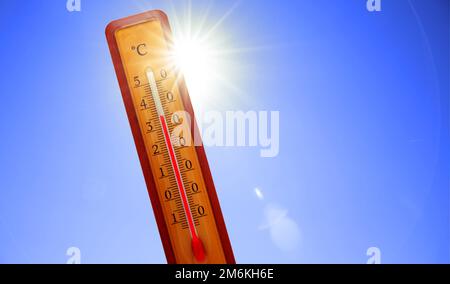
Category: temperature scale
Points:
column 176, row 173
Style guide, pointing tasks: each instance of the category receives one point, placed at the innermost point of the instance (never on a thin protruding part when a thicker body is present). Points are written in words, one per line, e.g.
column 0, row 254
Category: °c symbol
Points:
column 141, row 49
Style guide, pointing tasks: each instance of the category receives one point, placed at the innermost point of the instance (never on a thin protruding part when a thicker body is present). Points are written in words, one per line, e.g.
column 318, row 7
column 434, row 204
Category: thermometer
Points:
column 176, row 170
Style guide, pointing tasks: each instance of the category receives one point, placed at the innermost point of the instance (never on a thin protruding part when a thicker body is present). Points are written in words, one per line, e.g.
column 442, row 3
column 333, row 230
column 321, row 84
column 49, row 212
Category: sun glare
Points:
column 203, row 54
column 196, row 62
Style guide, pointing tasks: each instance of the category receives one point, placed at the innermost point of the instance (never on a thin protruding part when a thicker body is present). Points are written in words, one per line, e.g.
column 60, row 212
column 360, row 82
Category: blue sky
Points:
column 364, row 132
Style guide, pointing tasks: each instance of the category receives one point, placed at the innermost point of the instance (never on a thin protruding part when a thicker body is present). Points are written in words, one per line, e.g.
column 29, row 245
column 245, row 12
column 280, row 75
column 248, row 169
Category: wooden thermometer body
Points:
column 176, row 171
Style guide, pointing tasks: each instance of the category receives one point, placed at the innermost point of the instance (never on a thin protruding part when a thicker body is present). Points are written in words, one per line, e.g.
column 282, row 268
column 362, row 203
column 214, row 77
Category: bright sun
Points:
column 196, row 62
column 202, row 53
